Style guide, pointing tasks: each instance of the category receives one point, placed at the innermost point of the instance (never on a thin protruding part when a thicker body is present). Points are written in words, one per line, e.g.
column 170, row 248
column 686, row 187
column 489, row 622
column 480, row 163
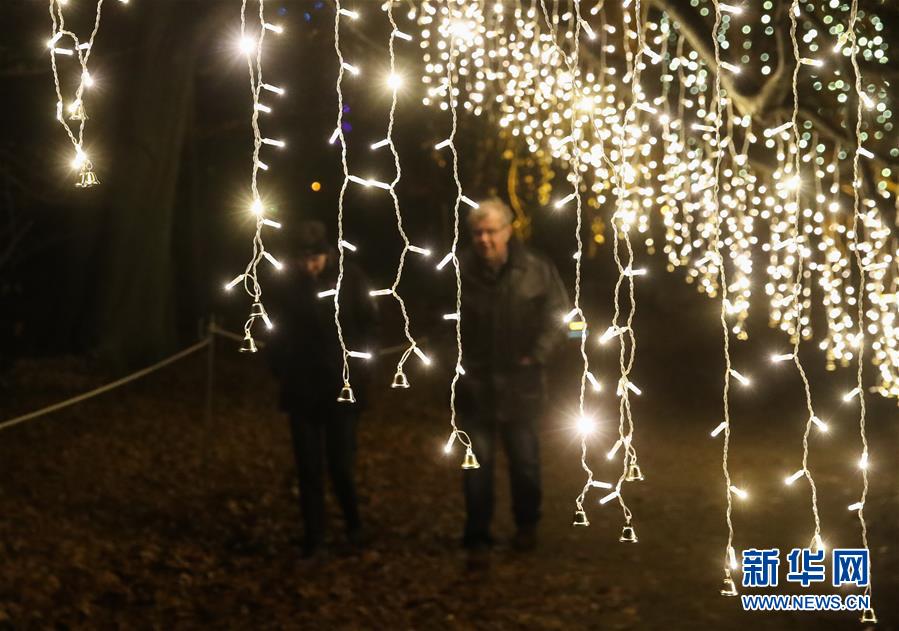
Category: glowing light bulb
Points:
column 731, row 558
column 394, row 81
column 278, row 265
column 821, row 425
column 720, row 428
column 608, row 498
column 782, row 357
column 424, row 358
column 234, row 282
column 739, row 377
column 739, row 492
column 247, row 45
column 443, row 262
column 585, row 425
column 565, row 200
column 791, row 479
column 469, row 201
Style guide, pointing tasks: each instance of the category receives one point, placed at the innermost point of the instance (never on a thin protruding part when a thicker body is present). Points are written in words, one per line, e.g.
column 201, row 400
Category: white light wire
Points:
column 798, row 279
column 394, row 86
column 250, row 277
column 83, row 52
column 628, row 341
column 719, row 261
column 456, row 433
column 856, row 227
column 572, row 63
column 346, row 174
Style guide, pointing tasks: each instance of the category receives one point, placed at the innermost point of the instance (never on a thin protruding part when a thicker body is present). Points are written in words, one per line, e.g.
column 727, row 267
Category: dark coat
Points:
column 507, row 316
column 303, row 351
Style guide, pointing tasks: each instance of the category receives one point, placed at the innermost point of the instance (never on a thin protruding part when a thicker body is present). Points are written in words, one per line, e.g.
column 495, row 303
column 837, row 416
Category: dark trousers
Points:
column 519, row 439
column 325, row 433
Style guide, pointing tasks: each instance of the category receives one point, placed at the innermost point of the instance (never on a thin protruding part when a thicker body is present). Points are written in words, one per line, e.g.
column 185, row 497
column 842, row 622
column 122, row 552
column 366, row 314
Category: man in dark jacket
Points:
column 513, row 304
column 306, row 358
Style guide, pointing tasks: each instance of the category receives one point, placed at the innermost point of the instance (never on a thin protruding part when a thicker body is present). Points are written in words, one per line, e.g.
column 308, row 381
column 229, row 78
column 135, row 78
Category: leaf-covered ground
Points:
column 134, row 510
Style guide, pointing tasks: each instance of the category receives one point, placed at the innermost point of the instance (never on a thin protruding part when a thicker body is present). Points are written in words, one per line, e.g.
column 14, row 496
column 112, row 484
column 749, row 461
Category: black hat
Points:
column 310, row 237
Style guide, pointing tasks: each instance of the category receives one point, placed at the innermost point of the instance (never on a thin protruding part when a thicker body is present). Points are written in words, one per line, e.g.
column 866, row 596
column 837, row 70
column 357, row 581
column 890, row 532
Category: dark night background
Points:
column 136, row 510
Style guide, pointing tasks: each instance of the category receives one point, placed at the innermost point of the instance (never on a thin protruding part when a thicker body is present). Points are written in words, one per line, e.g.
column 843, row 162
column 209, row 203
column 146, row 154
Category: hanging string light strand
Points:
column 75, row 110
column 394, row 81
column 451, row 32
column 868, row 614
column 252, row 45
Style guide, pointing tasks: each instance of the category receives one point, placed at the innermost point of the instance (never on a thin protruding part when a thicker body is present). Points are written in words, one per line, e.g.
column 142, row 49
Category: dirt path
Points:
column 131, row 511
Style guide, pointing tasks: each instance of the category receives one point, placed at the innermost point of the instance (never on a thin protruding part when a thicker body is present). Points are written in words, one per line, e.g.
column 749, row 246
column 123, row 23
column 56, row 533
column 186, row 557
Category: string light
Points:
column 572, row 63
column 794, row 243
column 252, row 47
column 868, row 615
column 453, row 40
column 346, row 394
column 87, row 178
column 688, row 153
column 728, row 586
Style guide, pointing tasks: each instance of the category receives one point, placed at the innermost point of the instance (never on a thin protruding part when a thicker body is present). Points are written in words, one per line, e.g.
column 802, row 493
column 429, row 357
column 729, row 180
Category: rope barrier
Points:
column 106, row 388
column 213, row 330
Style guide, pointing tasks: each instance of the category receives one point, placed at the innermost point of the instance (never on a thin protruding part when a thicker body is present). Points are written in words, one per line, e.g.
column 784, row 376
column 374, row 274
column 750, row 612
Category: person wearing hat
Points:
column 306, row 359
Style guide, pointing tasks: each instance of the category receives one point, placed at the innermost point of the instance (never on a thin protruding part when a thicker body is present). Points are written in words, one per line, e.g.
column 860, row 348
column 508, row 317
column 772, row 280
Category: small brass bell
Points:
column 633, row 473
column 580, row 518
column 628, row 535
column 78, row 113
column 470, row 462
column 257, row 310
column 248, row 345
column 400, row 380
column 868, row 616
column 87, row 178
column 728, row 588
column 346, row 394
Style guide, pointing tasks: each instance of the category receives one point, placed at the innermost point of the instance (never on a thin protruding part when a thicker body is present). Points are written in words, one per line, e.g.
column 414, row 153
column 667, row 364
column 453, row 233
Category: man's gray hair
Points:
column 488, row 206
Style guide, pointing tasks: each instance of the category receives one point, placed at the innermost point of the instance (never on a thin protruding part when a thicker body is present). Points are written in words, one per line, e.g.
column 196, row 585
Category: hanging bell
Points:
column 728, row 588
column 77, row 113
column 257, row 310
column 628, row 534
column 87, row 177
column 580, row 518
column 868, row 616
column 248, row 345
column 470, row 462
column 633, row 473
column 400, row 380
column 346, row 394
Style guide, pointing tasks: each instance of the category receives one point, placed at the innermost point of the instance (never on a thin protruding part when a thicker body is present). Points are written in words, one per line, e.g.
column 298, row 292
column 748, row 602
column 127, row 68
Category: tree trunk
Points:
column 136, row 311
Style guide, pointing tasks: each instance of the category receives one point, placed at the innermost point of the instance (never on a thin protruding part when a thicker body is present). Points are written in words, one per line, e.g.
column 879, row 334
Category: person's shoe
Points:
column 525, row 539
column 358, row 537
column 313, row 551
column 477, row 557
